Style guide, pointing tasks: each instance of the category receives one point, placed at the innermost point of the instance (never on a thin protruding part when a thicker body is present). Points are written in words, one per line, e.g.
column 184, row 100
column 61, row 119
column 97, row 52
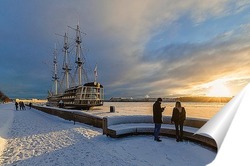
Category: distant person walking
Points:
column 16, row 104
column 30, row 104
column 23, row 106
column 20, row 105
column 157, row 117
column 178, row 117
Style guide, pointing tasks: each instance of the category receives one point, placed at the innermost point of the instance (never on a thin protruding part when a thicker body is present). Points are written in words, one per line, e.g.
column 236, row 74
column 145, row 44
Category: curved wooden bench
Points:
column 117, row 126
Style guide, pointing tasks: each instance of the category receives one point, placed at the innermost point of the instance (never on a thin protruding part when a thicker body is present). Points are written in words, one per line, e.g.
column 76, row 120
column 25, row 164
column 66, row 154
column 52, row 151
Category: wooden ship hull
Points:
column 80, row 97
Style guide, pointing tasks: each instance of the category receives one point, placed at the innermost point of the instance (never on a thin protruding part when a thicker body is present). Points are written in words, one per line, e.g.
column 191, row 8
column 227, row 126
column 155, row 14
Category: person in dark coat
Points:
column 23, row 106
column 20, row 105
column 16, row 104
column 178, row 117
column 30, row 104
column 157, row 117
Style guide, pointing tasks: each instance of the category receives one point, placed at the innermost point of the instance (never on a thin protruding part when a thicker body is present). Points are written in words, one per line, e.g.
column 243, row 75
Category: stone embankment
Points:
column 116, row 126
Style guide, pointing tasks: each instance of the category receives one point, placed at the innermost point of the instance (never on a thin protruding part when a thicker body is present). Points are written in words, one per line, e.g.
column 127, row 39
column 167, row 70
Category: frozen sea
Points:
column 204, row 110
column 31, row 137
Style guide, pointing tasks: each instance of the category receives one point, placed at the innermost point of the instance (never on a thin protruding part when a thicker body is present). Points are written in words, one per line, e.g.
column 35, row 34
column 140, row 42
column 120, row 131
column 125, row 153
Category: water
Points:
column 204, row 110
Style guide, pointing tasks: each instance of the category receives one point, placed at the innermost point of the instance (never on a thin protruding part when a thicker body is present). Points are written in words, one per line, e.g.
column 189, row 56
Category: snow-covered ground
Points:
column 32, row 137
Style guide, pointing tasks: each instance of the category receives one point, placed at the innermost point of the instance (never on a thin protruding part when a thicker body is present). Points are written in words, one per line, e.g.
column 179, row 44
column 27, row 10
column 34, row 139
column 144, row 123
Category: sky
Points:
column 160, row 48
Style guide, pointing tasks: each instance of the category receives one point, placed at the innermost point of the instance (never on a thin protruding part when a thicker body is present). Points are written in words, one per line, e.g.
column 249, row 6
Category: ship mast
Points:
column 66, row 67
column 78, row 54
column 55, row 77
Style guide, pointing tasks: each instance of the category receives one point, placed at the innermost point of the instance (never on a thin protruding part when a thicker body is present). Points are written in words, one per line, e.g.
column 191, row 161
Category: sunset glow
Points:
column 219, row 89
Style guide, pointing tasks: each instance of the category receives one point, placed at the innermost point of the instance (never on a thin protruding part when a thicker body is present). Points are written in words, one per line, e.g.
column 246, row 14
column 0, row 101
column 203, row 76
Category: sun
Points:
column 219, row 89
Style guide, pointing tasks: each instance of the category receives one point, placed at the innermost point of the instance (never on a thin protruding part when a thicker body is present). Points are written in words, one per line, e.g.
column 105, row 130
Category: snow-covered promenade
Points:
column 31, row 137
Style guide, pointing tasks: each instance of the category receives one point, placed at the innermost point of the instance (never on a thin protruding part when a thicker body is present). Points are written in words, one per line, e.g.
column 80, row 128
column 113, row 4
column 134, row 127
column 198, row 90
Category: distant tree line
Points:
column 3, row 97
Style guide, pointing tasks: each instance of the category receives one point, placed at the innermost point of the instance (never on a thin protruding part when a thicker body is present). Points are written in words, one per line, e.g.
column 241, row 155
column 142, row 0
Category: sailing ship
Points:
column 70, row 92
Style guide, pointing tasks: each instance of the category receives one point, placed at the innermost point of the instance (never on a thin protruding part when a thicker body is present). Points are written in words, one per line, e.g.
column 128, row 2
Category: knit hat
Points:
column 159, row 99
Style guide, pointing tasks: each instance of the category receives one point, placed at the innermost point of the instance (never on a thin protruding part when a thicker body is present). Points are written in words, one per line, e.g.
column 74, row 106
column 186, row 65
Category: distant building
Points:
column 31, row 100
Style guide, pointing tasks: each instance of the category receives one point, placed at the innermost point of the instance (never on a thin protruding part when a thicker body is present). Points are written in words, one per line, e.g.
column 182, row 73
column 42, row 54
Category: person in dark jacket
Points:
column 178, row 117
column 16, row 104
column 30, row 104
column 157, row 117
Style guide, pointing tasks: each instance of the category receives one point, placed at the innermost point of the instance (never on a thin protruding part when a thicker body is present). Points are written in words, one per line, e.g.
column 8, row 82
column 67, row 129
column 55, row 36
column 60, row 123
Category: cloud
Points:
column 118, row 37
column 181, row 69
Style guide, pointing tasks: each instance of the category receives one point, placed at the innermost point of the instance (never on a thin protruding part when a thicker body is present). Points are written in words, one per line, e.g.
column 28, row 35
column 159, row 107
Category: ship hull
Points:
column 80, row 97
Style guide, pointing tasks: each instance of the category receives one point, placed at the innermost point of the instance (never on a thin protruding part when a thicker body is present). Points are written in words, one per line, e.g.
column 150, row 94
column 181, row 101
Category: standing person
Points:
column 157, row 117
column 30, row 104
column 23, row 106
column 178, row 117
column 20, row 105
column 16, row 104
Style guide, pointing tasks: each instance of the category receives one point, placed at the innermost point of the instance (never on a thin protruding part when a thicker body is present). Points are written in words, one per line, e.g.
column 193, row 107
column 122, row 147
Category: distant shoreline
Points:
column 182, row 99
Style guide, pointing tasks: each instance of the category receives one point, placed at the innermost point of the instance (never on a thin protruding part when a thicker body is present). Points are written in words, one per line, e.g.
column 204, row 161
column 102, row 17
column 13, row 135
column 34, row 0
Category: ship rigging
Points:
column 70, row 92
